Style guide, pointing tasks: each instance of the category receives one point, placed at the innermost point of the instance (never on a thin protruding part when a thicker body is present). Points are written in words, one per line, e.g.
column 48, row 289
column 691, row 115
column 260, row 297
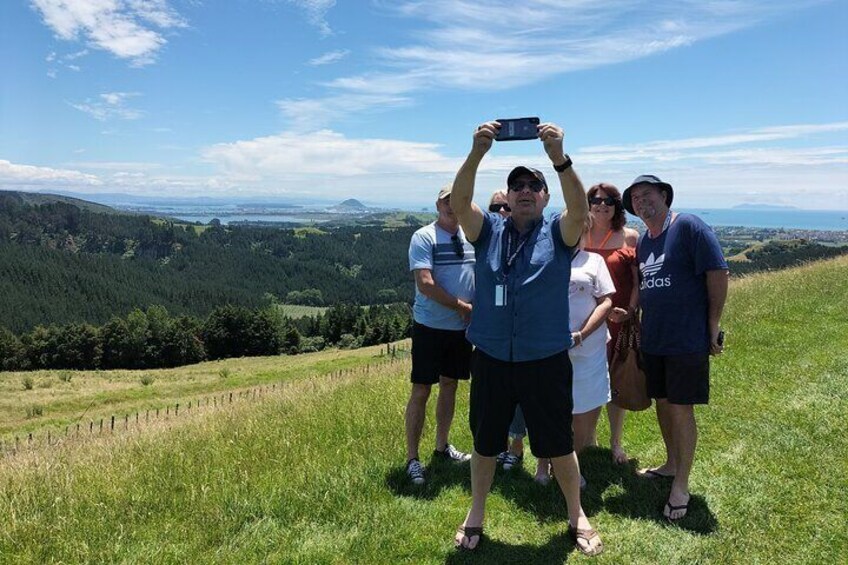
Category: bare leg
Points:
column 542, row 471
column 668, row 468
column 584, row 426
column 444, row 410
column 567, row 473
column 616, row 421
column 682, row 417
column 516, row 447
column 482, row 473
column 415, row 411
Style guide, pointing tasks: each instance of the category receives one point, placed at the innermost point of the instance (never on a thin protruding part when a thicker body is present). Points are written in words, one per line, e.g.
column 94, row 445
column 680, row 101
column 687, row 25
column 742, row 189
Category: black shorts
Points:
column 436, row 353
column 543, row 390
column 680, row 379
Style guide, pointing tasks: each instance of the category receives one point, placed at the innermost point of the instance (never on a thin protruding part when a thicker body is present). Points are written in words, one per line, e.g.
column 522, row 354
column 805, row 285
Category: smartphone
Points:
column 720, row 338
column 513, row 129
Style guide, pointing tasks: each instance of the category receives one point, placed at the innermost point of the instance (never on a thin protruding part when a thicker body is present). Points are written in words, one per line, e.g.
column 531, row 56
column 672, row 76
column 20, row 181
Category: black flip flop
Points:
column 654, row 474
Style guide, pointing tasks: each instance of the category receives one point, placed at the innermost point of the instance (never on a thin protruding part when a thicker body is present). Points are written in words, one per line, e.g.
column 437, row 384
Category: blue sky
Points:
column 731, row 101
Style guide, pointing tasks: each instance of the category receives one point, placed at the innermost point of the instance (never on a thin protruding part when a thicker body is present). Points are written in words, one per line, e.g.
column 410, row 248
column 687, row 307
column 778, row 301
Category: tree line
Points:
column 60, row 264
column 152, row 338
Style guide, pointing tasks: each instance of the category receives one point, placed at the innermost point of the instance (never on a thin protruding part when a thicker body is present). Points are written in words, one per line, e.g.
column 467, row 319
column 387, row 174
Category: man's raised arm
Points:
column 577, row 207
column 469, row 214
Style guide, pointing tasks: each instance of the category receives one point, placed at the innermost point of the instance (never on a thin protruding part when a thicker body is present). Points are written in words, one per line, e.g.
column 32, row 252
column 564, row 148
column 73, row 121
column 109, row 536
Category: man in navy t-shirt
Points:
column 683, row 287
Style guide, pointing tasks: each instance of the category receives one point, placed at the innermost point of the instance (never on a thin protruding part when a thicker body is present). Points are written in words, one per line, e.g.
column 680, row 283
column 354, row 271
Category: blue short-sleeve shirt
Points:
column 531, row 322
column 673, row 289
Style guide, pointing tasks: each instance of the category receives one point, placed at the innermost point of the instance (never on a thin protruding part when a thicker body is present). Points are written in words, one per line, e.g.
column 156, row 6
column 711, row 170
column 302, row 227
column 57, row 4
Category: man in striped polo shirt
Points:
column 443, row 263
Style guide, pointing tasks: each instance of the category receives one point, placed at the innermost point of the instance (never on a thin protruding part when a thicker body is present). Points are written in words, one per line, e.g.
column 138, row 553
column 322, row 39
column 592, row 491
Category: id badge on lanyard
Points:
column 500, row 295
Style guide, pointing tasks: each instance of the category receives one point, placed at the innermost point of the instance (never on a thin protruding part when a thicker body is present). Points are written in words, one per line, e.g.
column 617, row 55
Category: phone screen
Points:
column 513, row 129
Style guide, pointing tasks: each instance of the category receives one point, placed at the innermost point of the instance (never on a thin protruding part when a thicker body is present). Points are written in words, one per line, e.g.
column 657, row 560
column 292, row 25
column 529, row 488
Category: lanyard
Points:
column 512, row 256
column 666, row 223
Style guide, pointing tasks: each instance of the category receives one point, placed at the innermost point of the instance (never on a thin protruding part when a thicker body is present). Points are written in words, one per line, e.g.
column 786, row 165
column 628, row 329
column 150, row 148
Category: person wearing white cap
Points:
column 682, row 290
column 517, row 326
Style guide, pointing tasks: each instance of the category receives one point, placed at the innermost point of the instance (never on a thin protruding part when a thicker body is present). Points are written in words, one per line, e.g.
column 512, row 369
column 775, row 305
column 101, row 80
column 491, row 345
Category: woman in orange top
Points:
column 617, row 245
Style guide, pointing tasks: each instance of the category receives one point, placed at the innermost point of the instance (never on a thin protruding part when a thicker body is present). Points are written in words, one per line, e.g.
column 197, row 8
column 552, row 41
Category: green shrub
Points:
column 34, row 411
column 147, row 380
column 28, row 382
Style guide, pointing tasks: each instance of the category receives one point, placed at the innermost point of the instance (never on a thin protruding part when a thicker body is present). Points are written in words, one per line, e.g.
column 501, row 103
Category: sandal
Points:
column 669, row 508
column 468, row 532
column 586, row 535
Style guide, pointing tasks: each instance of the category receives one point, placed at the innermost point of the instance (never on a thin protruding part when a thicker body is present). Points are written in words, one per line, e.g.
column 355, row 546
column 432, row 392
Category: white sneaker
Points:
column 452, row 454
column 511, row 461
column 415, row 471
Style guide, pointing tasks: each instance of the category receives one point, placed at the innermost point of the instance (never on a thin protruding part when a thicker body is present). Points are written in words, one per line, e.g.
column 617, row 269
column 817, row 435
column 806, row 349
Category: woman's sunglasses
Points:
column 498, row 207
column 609, row 201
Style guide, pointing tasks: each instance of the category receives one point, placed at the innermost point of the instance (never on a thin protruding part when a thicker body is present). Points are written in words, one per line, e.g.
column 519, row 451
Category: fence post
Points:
column 101, row 425
column 48, row 437
column 177, row 409
column 29, row 438
column 231, row 398
column 112, row 423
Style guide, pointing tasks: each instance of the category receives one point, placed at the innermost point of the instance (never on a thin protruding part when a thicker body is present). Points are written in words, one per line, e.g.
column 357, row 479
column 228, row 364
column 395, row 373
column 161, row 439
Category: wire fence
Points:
column 394, row 355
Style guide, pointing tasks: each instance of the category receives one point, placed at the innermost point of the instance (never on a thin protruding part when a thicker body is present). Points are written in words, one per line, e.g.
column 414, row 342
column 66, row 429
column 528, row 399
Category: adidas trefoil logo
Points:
column 652, row 266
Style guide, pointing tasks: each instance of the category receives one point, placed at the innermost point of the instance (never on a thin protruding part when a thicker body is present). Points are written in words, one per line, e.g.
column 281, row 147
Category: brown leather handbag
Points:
column 627, row 375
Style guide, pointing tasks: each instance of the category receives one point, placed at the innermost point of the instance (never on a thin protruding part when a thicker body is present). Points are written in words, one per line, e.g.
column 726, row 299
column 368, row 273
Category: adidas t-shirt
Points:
column 452, row 265
column 673, row 288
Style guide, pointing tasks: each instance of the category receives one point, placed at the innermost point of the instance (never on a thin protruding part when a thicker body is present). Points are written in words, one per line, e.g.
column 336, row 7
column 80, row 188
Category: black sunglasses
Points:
column 609, row 201
column 534, row 185
column 457, row 246
column 498, row 207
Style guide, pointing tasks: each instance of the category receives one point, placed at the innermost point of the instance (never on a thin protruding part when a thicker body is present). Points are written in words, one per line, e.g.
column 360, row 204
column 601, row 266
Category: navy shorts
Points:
column 543, row 390
column 680, row 379
column 439, row 353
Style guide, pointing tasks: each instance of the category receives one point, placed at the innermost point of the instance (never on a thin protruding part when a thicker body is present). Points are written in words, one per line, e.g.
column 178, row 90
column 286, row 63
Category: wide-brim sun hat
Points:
column 626, row 199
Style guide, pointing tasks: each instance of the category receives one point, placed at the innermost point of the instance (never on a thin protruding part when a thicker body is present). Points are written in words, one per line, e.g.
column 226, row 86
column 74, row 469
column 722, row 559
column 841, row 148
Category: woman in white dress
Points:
column 589, row 303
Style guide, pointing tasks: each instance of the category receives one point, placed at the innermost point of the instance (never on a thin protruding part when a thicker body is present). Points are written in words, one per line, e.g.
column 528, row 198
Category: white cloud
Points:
column 110, row 105
column 15, row 175
column 330, row 57
column 502, row 44
column 316, row 13
column 309, row 114
column 125, row 28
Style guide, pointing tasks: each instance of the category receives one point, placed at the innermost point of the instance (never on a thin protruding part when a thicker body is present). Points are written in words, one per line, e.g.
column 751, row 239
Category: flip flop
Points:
column 469, row 532
column 587, row 536
column 653, row 474
column 672, row 508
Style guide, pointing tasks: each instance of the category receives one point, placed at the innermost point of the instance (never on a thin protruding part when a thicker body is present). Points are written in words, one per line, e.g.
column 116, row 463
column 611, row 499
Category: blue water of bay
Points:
column 752, row 218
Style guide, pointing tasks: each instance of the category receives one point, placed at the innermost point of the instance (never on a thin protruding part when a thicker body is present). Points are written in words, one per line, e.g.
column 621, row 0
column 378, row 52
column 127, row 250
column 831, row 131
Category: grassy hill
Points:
column 38, row 199
column 314, row 472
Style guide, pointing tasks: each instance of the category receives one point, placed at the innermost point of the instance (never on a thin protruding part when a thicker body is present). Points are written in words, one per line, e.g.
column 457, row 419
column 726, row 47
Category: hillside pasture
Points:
column 314, row 473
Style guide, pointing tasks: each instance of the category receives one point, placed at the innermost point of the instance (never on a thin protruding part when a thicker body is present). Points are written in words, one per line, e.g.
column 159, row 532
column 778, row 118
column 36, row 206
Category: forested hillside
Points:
column 62, row 264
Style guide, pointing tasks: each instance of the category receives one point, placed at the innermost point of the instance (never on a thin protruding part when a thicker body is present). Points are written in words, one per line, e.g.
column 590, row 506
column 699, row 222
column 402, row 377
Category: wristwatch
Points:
column 565, row 165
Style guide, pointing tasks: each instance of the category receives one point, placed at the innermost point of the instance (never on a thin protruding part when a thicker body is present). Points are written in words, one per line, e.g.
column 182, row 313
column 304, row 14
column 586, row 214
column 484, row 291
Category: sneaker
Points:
column 501, row 457
column 452, row 454
column 511, row 461
column 415, row 471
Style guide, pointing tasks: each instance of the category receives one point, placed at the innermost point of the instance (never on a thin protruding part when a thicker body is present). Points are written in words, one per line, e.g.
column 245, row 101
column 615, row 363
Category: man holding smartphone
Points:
column 682, row 290
column 520, row 325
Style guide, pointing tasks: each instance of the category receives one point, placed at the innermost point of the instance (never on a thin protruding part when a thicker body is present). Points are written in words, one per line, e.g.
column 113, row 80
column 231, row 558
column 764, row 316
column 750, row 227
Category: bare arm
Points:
column 594, row 321
column 631, row 237
column 716, row 296
column 577, row 207
column 428, row 287
column 619, row 315
column 469, row 214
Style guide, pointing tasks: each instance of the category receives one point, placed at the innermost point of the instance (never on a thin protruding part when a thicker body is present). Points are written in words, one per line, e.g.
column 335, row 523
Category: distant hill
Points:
column 39, row 199
column 349, row 206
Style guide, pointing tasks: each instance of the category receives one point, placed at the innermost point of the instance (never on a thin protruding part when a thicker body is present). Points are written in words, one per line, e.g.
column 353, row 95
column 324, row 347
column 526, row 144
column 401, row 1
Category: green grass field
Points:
column 297, row 311
column 314, row 472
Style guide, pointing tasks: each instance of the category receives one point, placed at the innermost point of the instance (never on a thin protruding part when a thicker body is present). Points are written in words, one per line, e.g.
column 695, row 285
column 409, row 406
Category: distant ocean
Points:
column 748, row 218
column 783, row 218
